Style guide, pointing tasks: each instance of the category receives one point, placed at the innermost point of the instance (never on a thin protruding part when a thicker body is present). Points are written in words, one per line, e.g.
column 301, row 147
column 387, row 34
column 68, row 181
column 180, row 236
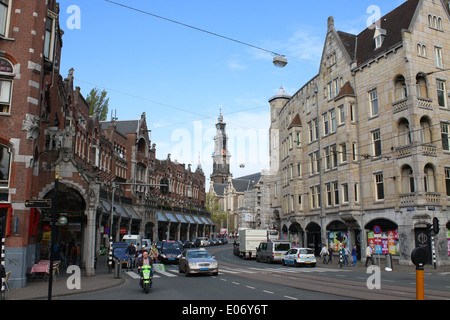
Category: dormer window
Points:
column 379, row 36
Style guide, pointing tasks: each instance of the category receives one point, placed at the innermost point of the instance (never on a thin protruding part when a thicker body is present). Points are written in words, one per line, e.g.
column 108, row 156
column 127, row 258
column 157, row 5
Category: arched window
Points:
column 421, row 85
column 425, row 130
column 429, row 179
column 404, row 133
column 408, row 184
column 6, row 82
column 401, row 92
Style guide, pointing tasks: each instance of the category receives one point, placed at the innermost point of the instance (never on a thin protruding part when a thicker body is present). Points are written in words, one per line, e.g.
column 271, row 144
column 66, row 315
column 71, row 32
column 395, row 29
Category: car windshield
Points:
column 306, row 251
column 198, row 255
column 282, row 247
column 171, row 246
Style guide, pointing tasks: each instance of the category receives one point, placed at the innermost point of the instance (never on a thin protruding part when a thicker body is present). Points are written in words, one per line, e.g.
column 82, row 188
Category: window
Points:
column 336, row 192
column 435, row 22
column 4, row 17
column 447, row 181
column 95, row 156
column 329, row 194
column 315, row 197
column 441, row 94
column 438, row 57
column 5, row 159
column 421, row 86
column 445, row 136
column 49, row 39
column 341, row 114
column 326, row 128
column 401, row 91
column 373, row 100
column 345, row 193
column 354, row 151
column 5, row 86
column 376, row 141
column 333, row 120
column 421, row 50
column 356, row 187
column 379, row 186
column 343, row 152
column 352, row 113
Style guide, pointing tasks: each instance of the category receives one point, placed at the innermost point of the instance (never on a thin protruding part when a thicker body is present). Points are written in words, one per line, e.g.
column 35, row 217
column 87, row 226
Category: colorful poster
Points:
column 448, row 240
column 384, row 243
column 393, row 242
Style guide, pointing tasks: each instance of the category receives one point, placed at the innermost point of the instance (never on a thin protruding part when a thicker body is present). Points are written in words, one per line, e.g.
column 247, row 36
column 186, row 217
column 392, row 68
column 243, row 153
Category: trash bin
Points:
column 117, row 268
column 388, row 262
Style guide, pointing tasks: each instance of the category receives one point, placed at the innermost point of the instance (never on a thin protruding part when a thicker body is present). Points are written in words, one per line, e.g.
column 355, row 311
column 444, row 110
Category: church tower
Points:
column 221, row 156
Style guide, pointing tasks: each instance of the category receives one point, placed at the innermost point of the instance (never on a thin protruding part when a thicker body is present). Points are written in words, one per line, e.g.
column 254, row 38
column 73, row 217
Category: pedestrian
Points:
column 67, row 255
column 62, row 245
column 330, row 254
column 354, row 255
column 154, row 253
column 324, row 254
column 131, row 251
column 369, row 255
column 346, row 253
column 74, row 253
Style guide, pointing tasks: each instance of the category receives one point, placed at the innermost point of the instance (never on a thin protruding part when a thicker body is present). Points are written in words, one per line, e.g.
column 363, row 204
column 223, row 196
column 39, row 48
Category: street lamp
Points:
column 279, row 61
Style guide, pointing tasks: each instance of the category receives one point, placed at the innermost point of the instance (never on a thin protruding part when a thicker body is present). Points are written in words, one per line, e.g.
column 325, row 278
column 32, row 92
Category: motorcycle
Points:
column 146, row 280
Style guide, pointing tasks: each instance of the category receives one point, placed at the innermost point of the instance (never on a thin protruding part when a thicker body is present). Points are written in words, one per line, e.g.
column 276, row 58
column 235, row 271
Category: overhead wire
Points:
column 192, row 27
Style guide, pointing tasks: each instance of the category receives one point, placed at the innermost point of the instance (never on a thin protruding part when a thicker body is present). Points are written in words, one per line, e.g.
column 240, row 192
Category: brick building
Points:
column 365, row 143
column 46, row 131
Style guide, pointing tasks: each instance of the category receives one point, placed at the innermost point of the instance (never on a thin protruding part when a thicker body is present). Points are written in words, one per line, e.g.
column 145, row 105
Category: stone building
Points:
column 362, row 149
column 48, row 135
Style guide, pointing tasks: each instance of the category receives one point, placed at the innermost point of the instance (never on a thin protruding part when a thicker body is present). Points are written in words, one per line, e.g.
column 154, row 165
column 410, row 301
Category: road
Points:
column 241, row 279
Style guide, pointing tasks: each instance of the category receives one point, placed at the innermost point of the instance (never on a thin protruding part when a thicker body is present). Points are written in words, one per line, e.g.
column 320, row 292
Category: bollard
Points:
column 388, row 262
column 117, row 268
column 419, row 257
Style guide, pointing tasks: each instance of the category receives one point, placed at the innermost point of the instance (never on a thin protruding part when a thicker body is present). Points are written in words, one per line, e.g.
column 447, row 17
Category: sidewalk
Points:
column 360, row 265
column 38, row 289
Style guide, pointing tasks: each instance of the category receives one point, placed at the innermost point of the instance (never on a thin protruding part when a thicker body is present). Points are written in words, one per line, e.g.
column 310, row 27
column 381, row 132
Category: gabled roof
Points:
column 296, row 122
column 393, row 23
column 123, row 126
column 346, row 91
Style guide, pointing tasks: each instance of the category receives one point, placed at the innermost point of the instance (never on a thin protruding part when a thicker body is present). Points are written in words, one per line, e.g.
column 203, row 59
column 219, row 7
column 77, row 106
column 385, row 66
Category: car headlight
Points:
column 179, row 256
column 192, row 265
column 213, row 264
column 163, row 255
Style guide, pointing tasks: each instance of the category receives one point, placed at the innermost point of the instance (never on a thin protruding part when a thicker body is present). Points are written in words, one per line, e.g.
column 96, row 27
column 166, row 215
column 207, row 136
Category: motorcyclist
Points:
column 145, row 260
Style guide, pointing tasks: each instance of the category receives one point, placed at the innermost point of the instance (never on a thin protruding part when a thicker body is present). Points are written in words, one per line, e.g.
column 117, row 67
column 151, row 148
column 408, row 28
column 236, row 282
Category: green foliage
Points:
column 98, row 103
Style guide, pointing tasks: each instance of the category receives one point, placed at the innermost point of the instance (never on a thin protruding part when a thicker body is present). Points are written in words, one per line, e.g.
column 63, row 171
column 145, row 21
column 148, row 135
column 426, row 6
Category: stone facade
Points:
column 365, row 142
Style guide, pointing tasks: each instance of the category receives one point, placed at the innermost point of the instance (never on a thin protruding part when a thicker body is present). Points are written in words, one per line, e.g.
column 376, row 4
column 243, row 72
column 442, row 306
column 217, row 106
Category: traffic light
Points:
column 436, row 225
column 164, row 188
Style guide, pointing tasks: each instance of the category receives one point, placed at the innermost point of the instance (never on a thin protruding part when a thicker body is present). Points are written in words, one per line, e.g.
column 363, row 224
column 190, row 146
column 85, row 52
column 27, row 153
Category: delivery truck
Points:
column 249, row 240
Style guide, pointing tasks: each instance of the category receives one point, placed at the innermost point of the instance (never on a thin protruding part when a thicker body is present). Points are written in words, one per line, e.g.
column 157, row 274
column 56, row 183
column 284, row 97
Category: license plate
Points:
column 204, row 269
column 171, row 258
column 278, row 254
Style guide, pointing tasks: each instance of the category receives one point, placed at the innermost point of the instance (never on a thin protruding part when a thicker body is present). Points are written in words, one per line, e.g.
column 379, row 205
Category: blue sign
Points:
column 377, row 229
column 106, row 230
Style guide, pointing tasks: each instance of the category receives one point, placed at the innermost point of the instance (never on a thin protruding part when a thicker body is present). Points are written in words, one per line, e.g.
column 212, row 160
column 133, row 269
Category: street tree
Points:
column 98, row 102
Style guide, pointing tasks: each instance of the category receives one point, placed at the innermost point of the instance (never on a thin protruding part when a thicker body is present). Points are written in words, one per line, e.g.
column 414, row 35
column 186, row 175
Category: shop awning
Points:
column 121, row 211
column 197, row 220
column 105, row 206
column 171, row 217
column 130, row 211
column 205, row 221
column 181, row 218
column 190, row 219
column 161, row 217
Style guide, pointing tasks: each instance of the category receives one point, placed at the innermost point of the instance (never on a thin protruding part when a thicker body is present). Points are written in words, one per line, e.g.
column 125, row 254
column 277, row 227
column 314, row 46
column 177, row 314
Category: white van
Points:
column 272, row 251
column 133, row 239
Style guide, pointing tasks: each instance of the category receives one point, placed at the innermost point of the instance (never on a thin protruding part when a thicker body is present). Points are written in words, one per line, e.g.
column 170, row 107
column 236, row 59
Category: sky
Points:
column 183, row 78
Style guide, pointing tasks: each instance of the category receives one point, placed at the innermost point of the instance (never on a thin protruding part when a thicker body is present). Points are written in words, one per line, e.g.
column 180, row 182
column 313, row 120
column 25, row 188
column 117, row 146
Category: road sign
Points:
column 38, row 203
column 377, row 229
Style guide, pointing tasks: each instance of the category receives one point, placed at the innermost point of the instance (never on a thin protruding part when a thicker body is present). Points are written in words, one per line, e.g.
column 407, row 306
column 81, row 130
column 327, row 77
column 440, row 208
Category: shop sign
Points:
column 74, row 227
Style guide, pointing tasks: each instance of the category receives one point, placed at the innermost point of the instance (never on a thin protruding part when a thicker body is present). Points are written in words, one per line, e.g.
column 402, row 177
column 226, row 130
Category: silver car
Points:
column 197, row 261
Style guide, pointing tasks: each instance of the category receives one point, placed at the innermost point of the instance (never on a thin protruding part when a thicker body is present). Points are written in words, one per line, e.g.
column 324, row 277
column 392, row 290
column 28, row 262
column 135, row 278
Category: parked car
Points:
column 197, row 261
column 187, row 244
column 271, row 251
column 299, row 256
column 223, row 240
column 170, row 252
column 119, row 252
column 204, row 241
column 215, row 242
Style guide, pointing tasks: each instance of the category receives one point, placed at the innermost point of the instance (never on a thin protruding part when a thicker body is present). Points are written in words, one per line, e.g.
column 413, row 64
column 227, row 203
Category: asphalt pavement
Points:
column 37, row 289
